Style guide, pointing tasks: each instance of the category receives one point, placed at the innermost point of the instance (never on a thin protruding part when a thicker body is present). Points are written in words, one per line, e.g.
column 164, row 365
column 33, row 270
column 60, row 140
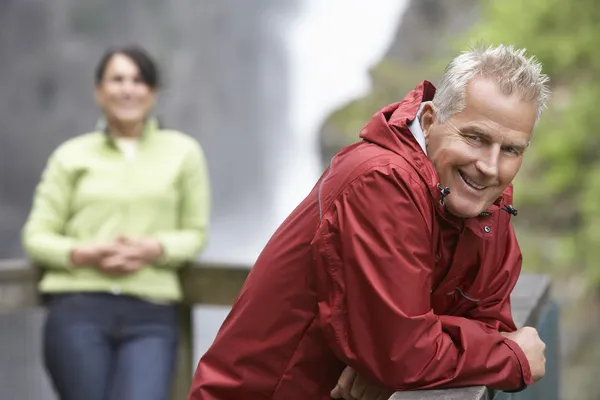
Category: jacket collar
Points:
column 396, row 128
column 151, row 126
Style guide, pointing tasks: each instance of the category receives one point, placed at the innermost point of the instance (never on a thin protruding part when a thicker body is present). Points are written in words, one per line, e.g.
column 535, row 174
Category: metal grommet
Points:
column 487, row 229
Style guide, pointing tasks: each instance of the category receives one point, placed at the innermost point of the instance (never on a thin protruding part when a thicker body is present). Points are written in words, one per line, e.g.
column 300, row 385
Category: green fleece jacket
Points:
column 91, row 192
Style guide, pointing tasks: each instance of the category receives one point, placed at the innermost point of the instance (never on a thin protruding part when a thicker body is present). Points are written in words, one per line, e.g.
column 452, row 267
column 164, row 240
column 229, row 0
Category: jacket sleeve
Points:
column 183, row 244
column 373, row 263
column 43, row 234
column 495, row 310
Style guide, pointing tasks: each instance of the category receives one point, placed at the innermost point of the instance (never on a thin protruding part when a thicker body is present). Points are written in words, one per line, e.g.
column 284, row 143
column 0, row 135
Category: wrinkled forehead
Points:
column 486, row 104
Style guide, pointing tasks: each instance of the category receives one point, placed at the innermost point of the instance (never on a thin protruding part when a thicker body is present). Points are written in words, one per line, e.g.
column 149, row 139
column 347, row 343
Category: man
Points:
column 400, row 262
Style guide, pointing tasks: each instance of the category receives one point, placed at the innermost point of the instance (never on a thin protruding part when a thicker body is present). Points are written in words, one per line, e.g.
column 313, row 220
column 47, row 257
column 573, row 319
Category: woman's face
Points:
column 122, row 94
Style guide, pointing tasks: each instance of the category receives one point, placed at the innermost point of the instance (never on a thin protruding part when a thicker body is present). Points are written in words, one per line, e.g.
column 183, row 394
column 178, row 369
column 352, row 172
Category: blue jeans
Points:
column 107, row 347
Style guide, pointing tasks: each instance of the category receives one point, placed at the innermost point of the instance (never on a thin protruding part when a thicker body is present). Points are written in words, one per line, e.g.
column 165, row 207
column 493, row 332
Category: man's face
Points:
column 478, row 152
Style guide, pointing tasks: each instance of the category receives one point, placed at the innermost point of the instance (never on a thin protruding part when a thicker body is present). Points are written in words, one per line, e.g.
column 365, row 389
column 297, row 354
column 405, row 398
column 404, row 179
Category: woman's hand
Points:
column 91, row 254
column 123, row 255
column 146, row 249
column 131, row 254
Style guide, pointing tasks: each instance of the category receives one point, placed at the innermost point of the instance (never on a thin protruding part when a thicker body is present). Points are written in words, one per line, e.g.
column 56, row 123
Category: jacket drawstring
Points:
column 511, row 210
column 444, row 191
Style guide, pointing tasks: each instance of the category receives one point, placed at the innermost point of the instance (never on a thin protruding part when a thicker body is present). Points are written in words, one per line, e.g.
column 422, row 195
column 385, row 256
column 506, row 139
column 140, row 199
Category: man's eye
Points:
column 474, row 137
column 511, row 150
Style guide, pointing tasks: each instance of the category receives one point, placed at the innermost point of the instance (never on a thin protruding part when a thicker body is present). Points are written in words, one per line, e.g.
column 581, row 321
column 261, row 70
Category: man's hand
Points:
column 352, row 386
column 529, row 341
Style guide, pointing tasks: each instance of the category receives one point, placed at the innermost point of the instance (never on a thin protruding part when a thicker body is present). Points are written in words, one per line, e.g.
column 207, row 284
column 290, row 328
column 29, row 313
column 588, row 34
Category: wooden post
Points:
column 204, row 284
column 184, row 368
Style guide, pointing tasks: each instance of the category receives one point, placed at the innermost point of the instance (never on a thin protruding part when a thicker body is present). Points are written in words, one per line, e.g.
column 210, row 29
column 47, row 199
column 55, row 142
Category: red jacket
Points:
column 370, row 271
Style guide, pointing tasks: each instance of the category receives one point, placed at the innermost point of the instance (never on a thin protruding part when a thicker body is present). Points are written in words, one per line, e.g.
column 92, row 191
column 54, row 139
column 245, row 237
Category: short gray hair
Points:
column 511, row 68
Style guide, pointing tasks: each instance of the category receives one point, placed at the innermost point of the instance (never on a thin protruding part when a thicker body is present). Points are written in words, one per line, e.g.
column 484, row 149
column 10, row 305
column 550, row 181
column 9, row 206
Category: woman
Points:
column 115, row 214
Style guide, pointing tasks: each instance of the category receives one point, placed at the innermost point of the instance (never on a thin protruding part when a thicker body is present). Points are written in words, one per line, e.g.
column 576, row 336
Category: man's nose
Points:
column 487, row 162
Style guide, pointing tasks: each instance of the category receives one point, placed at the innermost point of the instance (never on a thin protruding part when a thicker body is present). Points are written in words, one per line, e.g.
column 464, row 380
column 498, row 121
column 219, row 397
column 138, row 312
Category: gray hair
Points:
column 511, row 68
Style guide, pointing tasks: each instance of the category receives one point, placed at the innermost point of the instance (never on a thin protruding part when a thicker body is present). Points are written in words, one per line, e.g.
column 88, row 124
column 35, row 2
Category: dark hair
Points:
column 145, row 63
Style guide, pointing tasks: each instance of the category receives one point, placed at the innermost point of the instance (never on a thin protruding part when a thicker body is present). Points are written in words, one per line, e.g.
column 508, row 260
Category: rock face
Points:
column 218, row 60
column 428, row 27
column 422, row 46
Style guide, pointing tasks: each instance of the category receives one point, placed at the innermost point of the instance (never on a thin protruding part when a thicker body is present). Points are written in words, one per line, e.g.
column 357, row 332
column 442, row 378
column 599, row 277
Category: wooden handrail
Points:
column 219, row 283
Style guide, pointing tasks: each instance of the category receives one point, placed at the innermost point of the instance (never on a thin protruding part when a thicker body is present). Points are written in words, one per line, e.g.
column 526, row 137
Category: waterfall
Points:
column 252, row 80
column 330, row 47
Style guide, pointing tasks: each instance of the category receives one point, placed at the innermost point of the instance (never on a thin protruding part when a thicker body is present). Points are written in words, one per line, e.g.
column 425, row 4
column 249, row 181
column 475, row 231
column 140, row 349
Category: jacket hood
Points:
column 389, row 129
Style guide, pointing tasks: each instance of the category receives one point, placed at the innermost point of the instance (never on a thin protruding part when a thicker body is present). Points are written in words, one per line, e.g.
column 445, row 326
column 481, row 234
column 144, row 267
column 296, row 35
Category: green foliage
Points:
column 559, row 185
column 561, row 34
column 558, row 188
column 391, row 81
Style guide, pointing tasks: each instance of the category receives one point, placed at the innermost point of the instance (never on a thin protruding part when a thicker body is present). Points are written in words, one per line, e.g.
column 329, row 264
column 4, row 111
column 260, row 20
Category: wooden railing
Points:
column 218, row 284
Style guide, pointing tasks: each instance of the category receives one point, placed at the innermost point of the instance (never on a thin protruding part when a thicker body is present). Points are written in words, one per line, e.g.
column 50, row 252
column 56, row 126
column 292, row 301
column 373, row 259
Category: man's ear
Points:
column 427, row 120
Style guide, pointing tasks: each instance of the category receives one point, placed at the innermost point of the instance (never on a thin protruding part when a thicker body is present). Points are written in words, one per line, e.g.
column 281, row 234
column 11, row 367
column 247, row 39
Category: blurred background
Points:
column 272, row 88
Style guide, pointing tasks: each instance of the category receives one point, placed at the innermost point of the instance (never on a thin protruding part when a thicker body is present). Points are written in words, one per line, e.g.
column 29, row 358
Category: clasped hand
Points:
column 122, row 255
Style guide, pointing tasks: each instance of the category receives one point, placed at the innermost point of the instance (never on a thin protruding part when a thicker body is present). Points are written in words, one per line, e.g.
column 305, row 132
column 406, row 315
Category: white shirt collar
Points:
column 415, row 128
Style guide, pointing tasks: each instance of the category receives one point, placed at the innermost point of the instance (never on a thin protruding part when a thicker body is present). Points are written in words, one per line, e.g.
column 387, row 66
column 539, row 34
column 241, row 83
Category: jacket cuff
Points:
column 526, row 378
